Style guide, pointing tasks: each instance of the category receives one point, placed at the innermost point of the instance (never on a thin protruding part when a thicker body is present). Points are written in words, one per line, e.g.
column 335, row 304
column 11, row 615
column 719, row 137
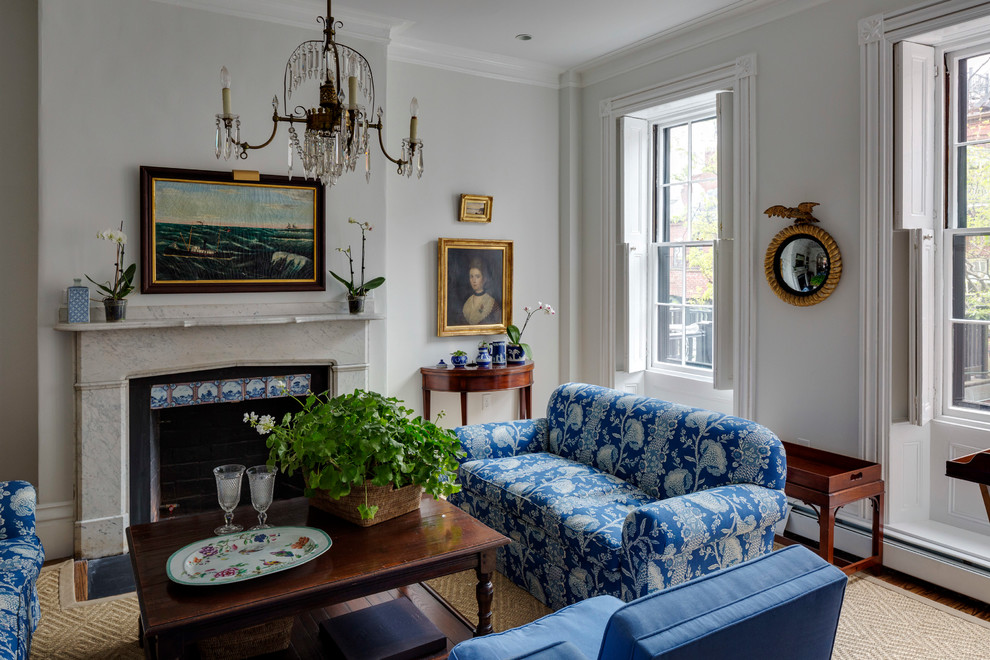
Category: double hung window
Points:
column 684, row 230
column 967, row 237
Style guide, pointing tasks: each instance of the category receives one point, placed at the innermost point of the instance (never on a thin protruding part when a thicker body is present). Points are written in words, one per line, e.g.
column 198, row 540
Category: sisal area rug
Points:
column 879, row 620
column 101, row 628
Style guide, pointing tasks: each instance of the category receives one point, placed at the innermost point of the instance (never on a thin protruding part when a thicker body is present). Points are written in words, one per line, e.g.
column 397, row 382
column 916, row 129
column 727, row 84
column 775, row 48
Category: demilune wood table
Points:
column 437, row 540
column 480, row 379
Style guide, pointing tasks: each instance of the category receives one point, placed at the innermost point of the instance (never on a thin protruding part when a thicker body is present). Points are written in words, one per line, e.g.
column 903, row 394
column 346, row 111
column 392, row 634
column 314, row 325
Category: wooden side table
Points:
column 480, row 379
column 973, row 467
column 829, row 481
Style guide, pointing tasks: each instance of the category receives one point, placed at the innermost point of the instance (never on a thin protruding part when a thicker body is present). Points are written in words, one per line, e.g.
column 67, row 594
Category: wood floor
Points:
column 945, row 597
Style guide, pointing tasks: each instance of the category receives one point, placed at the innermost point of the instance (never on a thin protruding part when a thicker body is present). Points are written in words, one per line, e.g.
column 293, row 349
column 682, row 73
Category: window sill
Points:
column 688, row 389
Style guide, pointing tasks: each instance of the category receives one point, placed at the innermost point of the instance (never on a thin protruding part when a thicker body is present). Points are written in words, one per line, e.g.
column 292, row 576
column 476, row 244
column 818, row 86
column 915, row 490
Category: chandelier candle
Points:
column 414, row 119
column 352, row 92
column 225, row 91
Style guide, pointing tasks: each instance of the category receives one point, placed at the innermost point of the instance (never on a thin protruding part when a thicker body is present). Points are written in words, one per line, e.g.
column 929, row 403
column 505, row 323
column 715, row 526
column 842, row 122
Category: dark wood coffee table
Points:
column 437, row 540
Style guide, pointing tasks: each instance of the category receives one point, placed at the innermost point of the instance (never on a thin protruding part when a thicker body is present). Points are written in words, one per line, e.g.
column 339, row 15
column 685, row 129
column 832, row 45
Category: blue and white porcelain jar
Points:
column 78, row 302
column 458, row 360
column 498, row 352
column 484, row 358
column 515, row 354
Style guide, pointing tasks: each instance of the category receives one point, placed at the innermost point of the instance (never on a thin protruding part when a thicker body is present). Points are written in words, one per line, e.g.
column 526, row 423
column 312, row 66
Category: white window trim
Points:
column 739, row 77
column 907, row 449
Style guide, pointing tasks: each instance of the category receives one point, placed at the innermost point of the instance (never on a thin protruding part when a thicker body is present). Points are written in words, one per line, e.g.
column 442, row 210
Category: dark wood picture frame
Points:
column 205, row 232
column 457, row 288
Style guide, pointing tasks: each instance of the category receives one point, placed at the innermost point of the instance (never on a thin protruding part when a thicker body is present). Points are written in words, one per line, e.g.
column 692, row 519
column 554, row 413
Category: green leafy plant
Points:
column 515, row 334
column 458, row 352
column 362, row 289
column 352, row 440
column 123, row 278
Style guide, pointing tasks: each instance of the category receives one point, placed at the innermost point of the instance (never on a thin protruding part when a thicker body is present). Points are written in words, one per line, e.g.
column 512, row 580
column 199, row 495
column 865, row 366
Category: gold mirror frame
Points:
column 771, row 268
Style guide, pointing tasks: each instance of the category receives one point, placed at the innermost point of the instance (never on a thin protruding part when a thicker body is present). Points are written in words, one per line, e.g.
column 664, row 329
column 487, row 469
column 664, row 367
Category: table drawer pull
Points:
column 856, row 477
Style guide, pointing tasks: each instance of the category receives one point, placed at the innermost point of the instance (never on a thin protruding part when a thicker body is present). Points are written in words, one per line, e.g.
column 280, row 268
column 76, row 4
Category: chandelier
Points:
column 337, row 132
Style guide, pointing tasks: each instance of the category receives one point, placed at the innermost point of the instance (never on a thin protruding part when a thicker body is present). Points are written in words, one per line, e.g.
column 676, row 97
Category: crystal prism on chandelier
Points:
column 337, row 133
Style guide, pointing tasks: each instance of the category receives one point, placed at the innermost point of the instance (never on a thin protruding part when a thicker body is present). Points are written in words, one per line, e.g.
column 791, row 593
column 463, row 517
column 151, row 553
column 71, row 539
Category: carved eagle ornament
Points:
column 801, row 214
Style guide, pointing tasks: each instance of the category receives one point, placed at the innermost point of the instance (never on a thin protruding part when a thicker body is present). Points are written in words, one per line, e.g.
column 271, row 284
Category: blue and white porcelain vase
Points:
column 458, row 360
column 78, row 302
column 484, row 358
column 515, row 354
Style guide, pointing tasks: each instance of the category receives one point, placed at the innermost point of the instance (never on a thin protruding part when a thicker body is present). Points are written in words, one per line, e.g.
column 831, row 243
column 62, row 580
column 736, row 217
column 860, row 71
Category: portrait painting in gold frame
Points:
column 474, row 286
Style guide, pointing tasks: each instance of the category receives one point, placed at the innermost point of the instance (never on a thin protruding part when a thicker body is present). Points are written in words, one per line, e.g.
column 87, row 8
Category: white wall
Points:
column 487, row 137
column 19, row 247
column 807, row 149
column 125, row 83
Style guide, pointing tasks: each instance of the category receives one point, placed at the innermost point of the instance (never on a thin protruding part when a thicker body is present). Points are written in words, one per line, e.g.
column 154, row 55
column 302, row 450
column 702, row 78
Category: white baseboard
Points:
column 55, row 525
column 853, row 536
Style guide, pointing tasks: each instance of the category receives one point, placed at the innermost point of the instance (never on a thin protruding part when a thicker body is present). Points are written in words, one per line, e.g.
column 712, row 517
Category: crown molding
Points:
column 734, row 19
column 740, row 16
column 302, row 14
column 464, row 60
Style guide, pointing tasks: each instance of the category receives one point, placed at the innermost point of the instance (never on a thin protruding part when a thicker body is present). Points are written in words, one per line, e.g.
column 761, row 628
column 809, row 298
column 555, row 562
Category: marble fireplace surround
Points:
column 173, row 339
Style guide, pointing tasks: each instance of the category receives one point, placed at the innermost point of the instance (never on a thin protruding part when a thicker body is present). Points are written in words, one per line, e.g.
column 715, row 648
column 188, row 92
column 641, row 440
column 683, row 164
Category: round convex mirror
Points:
column 803, row 264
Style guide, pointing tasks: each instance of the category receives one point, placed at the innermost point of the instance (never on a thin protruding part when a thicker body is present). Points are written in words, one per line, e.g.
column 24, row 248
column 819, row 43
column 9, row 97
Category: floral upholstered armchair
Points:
column 21, row 557
column 616, row 494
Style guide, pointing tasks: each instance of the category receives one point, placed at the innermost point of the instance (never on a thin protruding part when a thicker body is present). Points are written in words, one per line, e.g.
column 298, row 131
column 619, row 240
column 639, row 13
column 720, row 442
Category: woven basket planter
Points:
column 268, row 637
column 391, row 503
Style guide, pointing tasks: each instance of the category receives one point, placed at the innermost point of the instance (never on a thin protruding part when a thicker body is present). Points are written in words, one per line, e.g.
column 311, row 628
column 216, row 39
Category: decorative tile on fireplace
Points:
column 172, row 395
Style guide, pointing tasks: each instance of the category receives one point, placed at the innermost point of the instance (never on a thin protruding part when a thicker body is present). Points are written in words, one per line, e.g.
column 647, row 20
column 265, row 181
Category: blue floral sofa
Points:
column 21, row 557
column 618, row 494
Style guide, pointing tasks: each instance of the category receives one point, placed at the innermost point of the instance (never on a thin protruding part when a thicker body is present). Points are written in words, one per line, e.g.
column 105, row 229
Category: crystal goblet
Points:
column 229, row 494
column 261, row 478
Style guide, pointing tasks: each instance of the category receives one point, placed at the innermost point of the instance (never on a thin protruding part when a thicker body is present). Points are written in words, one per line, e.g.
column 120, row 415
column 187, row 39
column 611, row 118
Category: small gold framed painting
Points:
column 476, row 208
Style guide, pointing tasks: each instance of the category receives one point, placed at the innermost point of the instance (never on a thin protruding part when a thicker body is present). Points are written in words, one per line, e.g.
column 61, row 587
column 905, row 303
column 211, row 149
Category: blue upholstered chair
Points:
column 782, row 605
column 21, row 557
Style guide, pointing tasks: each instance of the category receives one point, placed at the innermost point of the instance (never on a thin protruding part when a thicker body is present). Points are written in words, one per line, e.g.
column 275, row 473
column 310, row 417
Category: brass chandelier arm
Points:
column 276, row 118
column 381, row 143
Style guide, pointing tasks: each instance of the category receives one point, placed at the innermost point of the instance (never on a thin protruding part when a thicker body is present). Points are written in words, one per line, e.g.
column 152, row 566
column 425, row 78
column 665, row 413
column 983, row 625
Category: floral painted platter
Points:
column 245, row 555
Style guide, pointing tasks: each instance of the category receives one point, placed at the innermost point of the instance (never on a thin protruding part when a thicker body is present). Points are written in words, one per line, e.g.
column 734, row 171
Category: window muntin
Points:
column 684, row 231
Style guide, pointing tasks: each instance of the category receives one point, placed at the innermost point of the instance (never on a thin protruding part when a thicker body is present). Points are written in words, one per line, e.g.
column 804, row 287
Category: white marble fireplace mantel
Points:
column 175, row 339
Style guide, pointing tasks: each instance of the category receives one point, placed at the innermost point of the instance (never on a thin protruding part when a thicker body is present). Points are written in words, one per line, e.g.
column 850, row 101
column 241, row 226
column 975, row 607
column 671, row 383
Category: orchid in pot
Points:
column 517, row 350
column 357, row 292
column 116, row 291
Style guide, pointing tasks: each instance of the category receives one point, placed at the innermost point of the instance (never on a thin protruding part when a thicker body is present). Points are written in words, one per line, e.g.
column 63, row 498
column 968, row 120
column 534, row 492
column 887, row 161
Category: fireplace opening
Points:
column 183, row 425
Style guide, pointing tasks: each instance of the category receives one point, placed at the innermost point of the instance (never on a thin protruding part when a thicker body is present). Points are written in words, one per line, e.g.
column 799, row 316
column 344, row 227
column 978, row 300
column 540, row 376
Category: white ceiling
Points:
column 566, row 33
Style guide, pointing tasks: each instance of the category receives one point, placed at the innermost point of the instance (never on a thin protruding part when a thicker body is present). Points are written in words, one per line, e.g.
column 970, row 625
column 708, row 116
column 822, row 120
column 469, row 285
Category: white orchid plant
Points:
column 123, row 278
column 515, row 334
column 353, row 288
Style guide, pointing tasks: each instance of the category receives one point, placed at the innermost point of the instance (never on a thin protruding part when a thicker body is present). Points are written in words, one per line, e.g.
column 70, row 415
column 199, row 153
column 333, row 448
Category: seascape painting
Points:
column 214, row 236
